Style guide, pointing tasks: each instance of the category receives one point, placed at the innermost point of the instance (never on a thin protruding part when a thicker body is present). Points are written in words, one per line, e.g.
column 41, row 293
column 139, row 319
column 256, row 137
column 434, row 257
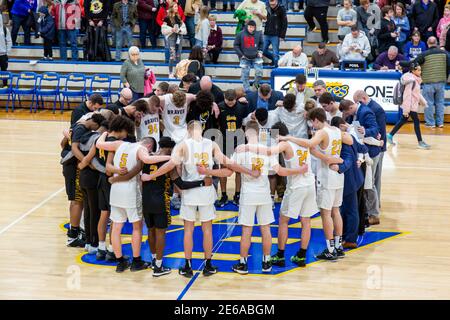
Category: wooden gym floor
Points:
column 36, row 264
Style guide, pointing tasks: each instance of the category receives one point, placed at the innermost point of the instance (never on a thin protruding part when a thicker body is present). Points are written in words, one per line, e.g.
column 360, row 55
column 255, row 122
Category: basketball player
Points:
column 119, row 129
column 193, row 152
column 255, row 198
column 126, row 198
column 330, row 183
column 156, row 204
column 149, row 123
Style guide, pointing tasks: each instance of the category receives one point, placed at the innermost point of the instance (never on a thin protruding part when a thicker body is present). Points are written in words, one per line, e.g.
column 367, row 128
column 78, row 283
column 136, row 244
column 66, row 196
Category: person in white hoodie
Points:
column 355, row 46
column 5, row 47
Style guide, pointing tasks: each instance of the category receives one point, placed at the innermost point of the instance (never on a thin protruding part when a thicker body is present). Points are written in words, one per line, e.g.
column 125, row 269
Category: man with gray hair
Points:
column 319, row 87
column 389, row 60
column 294, row 58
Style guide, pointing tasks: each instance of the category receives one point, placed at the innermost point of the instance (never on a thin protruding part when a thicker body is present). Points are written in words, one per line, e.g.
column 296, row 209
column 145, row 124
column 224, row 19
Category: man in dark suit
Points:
column 367, row 127
column 362, row 97
column 265, row 98
column 353, row 180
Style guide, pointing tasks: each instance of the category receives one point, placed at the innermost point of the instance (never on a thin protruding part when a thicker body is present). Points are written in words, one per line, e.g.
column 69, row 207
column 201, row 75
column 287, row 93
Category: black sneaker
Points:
column 101, row 255
column 278, row 261
column 161, row 271
column 138, row 265
column 301, row 262
column 110, row 256
column 340, row 253
column 186, row 272
column 76, row 242
column 209, row 270
column 241, row 268
column 266, row 266
column 326, row 255
column 236, row 198
column 123, row 265
column 153, row 265
column 222, row 202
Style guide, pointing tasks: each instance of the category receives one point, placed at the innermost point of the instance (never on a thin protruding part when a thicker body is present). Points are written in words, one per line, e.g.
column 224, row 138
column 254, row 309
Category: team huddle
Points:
column 135, row 161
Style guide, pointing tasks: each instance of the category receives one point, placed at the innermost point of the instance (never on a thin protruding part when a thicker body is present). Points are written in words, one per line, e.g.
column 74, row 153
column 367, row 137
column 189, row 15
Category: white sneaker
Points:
column 92, row 250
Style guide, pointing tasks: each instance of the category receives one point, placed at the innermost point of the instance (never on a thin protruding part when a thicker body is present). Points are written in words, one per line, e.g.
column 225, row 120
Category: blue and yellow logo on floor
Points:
column 226, row 236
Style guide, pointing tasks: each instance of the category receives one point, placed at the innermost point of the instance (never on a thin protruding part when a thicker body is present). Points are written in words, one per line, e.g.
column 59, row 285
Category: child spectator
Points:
column 414, row 47
column 202, row 29
column 46, row 28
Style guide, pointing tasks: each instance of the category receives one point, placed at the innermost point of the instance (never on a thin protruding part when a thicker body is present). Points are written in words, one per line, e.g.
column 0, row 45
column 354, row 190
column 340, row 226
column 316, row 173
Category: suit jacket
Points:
column 353, row 176
column 380, row 115
column 252, row 98
column 368, row 120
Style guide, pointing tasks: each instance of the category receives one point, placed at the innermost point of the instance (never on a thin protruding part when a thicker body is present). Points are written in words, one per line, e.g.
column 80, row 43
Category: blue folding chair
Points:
column 71, row 79
column 104, row 92
column 18, row 90
column 48, row 86
column 7, row 90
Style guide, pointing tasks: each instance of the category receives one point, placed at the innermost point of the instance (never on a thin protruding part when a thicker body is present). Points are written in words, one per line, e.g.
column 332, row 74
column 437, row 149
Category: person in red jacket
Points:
column 147, row 22
column 162, row 13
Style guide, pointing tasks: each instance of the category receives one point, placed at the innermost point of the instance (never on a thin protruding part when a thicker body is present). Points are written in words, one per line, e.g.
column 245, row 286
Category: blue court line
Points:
column 219, row 243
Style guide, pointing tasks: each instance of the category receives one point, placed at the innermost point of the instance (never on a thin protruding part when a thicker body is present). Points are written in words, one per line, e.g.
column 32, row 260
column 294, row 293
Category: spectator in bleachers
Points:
column 388, row 60
column 388, row 32
column 255, row 9
column 300, row 90
column 414, row 47
column 202, row 29
column 402, row 23
column 191, row 8
column 369, row 19
column 294, row 58
column 147, row 22
column 5, row 47
column 215, row 39
column 95, row 102
column 162, row 14
column 355, row 45
column 46, row 27
column 206, row 84
column 424, row 18
column 444, row 22
column 196, row 65
column 97, row 48
column 67, row 14
column 124, row 17
column 173, row 30
column 125, row 98
column 318, row 9
column 248, row 45
column 265, row 98
column 225, row 5
column 132, row 73
column 323, row 57
column 346, row 18
column 21, row 13
column 274, row 30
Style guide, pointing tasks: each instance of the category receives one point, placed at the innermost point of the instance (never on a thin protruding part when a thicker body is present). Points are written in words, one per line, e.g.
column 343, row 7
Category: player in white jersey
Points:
column 126, row 198
column 255, row 197
column 196, row 156
column 330, row 183
column 149, row 124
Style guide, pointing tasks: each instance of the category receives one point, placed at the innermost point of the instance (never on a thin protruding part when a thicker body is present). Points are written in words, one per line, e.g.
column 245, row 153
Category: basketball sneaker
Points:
column 326, row 255
column 236, row 198
column 153, row 266
column 161, row 271
column 76, row 242
column 110, row 257
column 123, row 265
column 241, row 268
column 301, row 262
column 138, row 265
column 340, row 253
column 186, row 271
column 222, row 202
column 278, row 261
column 266, row 266
column 209, row 270
column 101, row 255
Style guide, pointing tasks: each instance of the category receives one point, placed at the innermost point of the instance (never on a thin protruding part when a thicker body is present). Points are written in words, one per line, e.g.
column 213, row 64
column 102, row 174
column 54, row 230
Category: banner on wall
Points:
column 343, row 84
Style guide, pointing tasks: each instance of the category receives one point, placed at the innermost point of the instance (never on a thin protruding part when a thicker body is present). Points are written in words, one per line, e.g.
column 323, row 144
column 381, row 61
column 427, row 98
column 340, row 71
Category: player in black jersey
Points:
column 119, row 128
column 232, row 113
column 156, row 204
